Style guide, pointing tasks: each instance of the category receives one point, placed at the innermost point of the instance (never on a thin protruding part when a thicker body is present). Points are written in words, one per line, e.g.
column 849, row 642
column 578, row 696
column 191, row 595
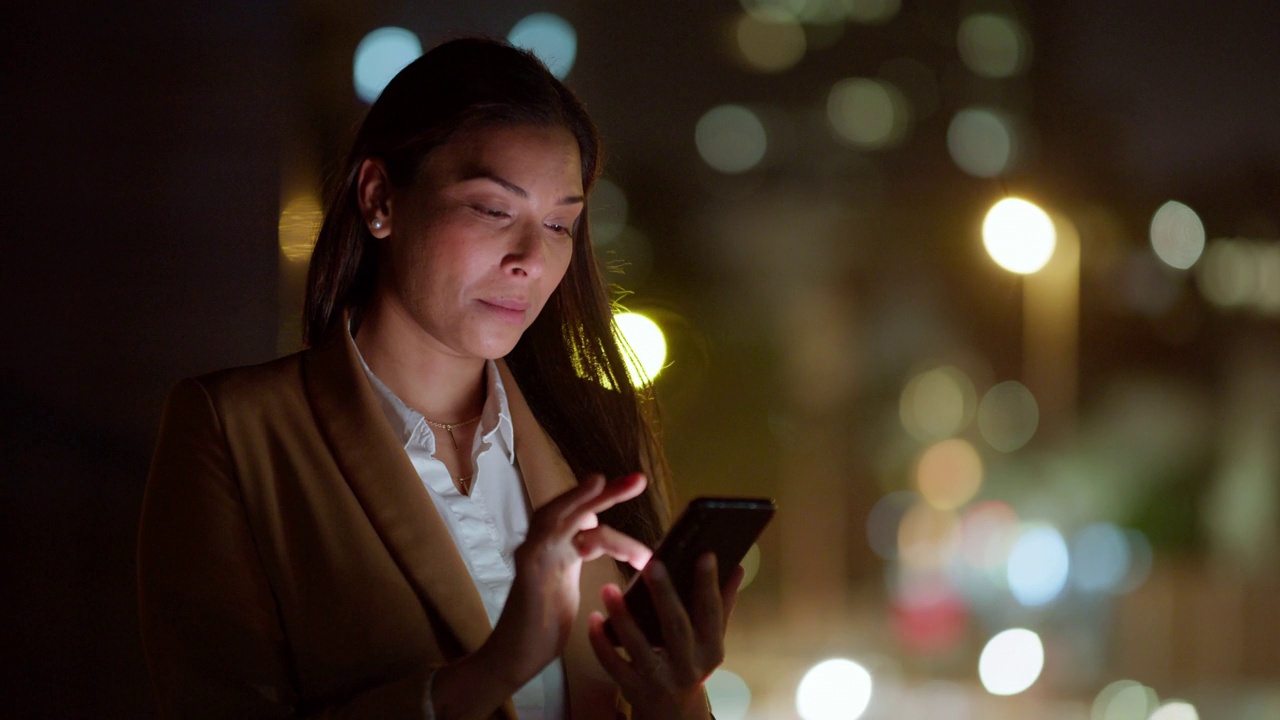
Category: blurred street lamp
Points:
column 1024, row 239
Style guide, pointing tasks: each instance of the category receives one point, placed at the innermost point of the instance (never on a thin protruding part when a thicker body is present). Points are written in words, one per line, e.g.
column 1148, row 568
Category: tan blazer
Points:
column 290, row 562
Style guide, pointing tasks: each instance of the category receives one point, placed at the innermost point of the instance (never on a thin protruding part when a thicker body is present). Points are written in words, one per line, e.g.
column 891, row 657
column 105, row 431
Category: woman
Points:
column 389, row 523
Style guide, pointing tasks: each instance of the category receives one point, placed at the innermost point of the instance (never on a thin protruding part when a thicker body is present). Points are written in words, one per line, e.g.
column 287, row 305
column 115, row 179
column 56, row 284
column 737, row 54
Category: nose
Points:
column 526, row 254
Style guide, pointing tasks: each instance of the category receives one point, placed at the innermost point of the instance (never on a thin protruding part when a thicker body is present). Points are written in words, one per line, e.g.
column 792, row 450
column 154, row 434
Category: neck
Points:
column 440, row 384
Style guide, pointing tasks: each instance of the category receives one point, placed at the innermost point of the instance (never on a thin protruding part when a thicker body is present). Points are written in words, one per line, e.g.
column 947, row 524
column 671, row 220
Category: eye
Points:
column 490, row 212
column 559, row 229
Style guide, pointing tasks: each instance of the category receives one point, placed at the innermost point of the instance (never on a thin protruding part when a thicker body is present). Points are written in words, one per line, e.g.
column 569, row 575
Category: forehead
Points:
column 521, row 154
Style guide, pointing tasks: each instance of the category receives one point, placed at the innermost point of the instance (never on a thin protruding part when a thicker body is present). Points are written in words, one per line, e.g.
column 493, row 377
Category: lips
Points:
column 510, row 310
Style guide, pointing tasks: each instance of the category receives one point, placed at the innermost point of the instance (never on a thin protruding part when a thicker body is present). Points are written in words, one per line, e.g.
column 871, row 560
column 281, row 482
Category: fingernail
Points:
column 707, row 562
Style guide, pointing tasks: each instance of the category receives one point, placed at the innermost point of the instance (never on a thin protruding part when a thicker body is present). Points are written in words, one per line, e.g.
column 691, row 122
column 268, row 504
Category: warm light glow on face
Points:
column 729, row 695
column 1177, row 235
column 1038, row 566
column 379, row 56
column 647, row 343
column 836, row 689
column 1011, row 662
column 770, row 42
column 299, row 225
column 731, row 139
column 949, row 474
column 1018, row 235
column 550, row 37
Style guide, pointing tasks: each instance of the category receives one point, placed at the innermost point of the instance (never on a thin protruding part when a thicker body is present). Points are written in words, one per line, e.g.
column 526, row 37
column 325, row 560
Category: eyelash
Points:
column 566, row 230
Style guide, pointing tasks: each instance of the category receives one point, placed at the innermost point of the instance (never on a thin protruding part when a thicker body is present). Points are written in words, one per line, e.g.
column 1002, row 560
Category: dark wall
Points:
column 140, row 202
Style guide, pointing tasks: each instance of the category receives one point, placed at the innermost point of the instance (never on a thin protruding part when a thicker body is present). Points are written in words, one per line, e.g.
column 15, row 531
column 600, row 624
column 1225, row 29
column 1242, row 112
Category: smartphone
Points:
column 726, row 526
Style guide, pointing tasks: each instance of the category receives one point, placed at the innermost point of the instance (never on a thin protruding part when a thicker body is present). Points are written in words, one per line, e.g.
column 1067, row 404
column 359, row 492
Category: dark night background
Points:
column 147, row 144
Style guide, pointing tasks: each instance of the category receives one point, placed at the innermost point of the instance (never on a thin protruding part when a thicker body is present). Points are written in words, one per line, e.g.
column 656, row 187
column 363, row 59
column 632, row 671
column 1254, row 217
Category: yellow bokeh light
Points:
column 1177, row 235
column 867, row 113
column 949, row 474
column 937, row 403
column 648, row 346
column 1019, row 236
column 750, row 565
column 299, row 225
column 770, row 43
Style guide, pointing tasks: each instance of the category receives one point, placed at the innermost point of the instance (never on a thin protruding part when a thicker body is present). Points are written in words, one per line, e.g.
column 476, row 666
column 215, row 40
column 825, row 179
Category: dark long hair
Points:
column 568, row 364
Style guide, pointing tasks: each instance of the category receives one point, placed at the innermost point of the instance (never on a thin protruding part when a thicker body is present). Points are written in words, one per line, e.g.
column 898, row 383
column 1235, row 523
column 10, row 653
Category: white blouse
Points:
column 487, row 525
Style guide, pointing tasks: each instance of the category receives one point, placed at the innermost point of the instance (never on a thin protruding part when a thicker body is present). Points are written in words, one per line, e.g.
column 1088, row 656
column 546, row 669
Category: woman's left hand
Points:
column 667, row 682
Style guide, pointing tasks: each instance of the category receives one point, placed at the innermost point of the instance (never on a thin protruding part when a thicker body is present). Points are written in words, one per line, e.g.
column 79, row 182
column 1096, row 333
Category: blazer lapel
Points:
column 591, row 692
column 388, row 488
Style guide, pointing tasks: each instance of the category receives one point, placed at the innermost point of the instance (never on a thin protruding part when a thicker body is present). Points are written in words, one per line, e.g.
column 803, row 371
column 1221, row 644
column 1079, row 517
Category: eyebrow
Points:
column 483, row 174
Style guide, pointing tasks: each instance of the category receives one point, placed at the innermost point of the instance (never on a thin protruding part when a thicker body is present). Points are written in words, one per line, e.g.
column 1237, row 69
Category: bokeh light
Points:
column 379, row 56
column 1175, row 710
column 836, row 689
column 731, row 139
column 1177, row 235
column 1237, row 273
column 949, row 474
column 883, row 522
column 987, row 532
column 729, row 695
column 750, row 565
column 1124, row 700
column 550, row 37
column 299, row 225
column 982, row 142
column 1141, row 559
column 937, row 403
column 867, row 113
column 770, row 42
column 927, row 537
column 993, row 46
column 648, row 346
column 872, row 12
column 1008, row 416
column 608, row 211
column 1099, row 557
column 1011, row 662
column 1018, row 235
column 1038, row 566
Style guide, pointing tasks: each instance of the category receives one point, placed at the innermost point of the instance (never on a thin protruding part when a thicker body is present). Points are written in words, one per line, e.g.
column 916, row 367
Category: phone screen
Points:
column 723, row 525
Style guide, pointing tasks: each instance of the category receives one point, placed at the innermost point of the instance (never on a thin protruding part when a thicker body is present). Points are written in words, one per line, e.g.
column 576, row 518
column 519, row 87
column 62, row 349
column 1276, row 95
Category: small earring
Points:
column 376, row 224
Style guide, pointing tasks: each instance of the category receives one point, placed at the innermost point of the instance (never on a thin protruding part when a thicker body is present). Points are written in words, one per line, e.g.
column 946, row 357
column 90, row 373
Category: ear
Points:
column 373, row 191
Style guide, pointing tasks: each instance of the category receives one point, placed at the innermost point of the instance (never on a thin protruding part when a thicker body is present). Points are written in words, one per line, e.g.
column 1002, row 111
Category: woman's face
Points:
column 483, row 236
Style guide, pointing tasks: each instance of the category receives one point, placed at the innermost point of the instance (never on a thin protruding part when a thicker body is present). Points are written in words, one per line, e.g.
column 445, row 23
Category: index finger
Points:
column 614, row 492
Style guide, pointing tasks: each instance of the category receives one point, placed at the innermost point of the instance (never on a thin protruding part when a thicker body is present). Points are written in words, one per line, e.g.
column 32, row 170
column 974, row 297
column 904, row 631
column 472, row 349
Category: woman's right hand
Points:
column 543, row 603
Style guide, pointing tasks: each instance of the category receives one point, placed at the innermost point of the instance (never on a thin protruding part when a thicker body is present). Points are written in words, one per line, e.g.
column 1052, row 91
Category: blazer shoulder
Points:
column 254, row 387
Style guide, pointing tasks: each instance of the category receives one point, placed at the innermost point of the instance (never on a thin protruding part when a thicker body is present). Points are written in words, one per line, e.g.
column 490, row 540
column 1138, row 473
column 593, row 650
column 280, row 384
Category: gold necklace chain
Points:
column 448, row 427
